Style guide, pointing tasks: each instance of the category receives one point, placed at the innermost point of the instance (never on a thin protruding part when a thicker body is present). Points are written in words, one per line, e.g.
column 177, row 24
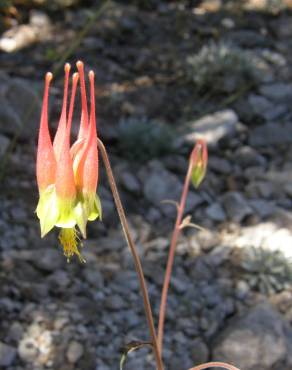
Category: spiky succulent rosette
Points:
column 67, row 176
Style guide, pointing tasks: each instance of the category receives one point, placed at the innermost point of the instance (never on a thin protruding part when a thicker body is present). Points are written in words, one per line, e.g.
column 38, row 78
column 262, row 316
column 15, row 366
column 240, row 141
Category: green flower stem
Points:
column 137, row 262
column 175, row 235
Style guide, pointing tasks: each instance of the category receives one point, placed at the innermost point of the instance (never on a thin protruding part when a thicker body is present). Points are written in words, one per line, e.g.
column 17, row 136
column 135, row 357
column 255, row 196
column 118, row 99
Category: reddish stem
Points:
column 214, row 364
column 170, row 260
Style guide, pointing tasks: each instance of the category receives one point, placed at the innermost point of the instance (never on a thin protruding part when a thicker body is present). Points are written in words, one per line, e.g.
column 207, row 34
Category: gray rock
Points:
column 246, row 156
column 4, row 144
column 289, row 345
column 110, row 244
column 60, row 279
column 115, row 302
column 263, row 189
column 283, row 26
column 74, row 352
column 278, row 92
column 130, row 182
column 288, row 189
column 218, row 255
column 220, row 165
column 94, row 278
column 255, row 341
column 47, row 259
column 180, row 285
column 279, row 178
column 153, row 215
column 216, row 212
column 19, row 109
column 274, row 57
column 108, row 208
column 18, row 214
column 248, row 38
column 15, row 331
column 264, row 108
column 161, row 185
column 271, row 134
column 262, row 207
column 101, row 366
column 125, row 280
column 201, row 270
column 209, row 323
column 9, row 305
column 211, row 295
column 214, row 127
column 200, row 352
column 241, row 289
column 10, row 121
column 236, row 206
column 7, row 354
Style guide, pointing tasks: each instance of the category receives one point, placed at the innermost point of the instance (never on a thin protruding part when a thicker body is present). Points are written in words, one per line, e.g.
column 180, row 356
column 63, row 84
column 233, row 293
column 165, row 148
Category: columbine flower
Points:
column 67, row 177
column 199, row 159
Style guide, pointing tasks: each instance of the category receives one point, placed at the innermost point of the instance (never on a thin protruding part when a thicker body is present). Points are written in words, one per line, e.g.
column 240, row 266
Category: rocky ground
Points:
column 167, row 72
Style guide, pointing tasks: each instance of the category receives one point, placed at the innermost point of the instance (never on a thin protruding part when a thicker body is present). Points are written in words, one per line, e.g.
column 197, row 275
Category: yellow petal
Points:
column 66, row 217
column 81, row 217
column 47, row 210
column 95, row 210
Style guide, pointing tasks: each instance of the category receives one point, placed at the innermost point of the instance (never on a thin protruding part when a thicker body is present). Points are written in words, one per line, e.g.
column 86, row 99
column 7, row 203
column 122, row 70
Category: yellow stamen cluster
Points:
column 69, row 239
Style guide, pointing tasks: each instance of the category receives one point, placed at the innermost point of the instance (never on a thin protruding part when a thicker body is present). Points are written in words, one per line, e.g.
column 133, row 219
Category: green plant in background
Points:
column 221, row 68
column 51, row 54
column 268, row 271
column 141, row 139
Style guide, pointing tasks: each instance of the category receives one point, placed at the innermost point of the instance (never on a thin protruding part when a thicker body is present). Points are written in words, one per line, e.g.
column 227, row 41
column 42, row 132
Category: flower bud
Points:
column 199, row 160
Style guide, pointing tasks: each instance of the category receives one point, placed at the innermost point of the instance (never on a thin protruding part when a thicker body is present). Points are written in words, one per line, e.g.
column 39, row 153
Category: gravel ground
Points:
column 230, row 296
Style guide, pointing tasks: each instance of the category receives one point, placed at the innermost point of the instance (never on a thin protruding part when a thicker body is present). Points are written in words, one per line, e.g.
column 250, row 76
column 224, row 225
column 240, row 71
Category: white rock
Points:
column 74, row 352
column 267, row 235
column 256, row 341
column 17, row 38
column 214, row 127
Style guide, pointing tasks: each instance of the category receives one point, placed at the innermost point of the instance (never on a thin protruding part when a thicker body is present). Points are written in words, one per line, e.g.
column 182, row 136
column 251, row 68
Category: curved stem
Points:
column 131, row 244
column 214, row 364
column 170, row 260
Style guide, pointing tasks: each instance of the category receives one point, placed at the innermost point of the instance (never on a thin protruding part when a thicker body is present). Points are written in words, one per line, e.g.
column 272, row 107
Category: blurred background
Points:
column 167, row 72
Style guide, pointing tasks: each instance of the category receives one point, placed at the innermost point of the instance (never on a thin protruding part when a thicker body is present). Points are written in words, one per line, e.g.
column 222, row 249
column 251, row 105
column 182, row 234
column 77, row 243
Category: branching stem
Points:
column 175, row 235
